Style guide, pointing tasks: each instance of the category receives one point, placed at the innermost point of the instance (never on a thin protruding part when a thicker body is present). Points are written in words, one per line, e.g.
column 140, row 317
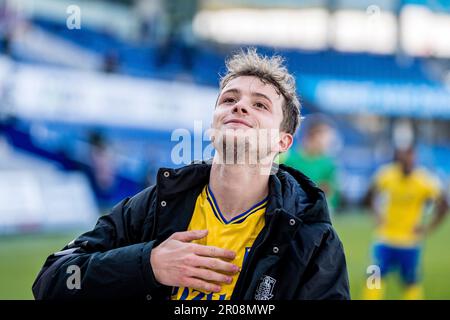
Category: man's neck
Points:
column 406, row 170
column 237, row 187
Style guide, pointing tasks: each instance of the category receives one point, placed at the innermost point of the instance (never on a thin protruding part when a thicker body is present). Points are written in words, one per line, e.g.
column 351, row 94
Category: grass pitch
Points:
column 21, row 258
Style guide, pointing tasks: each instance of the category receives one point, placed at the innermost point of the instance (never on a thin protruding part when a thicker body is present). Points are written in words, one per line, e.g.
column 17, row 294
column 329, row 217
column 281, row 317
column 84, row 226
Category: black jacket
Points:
column 297, row 255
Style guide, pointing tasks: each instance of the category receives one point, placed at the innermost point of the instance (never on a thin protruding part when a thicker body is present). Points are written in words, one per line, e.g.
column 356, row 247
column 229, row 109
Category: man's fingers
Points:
column 209, row 275
column 211, row 251
column 202, row 285
column 188, row 236
column 215, row 264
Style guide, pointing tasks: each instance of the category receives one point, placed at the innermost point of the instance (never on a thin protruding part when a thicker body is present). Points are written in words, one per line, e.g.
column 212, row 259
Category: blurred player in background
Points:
column 401, row 229
column 311, row 159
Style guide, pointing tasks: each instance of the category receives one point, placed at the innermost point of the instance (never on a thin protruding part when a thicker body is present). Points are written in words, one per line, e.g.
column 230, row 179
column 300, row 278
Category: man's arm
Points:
column 369, row 203
column 440, row 211
column 114, row 263
column 326, row 276
column 111, row 260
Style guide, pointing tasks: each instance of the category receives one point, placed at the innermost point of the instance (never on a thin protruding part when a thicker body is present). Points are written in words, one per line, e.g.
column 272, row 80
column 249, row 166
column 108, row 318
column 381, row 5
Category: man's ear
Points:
column 286, row 140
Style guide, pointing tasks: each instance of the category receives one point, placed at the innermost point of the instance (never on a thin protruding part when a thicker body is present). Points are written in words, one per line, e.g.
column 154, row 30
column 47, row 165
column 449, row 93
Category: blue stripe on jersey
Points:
column 214, row 210
column 239, row 218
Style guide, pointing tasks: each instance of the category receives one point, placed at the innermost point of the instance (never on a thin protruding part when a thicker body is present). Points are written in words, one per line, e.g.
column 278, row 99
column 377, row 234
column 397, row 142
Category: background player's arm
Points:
column 328, row 183
column 440, row 211
column 434, row 192
column 369, row 203
column 379, row 184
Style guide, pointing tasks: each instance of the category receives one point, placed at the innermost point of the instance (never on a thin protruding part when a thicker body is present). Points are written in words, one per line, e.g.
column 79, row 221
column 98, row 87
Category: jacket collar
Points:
column 290, row 190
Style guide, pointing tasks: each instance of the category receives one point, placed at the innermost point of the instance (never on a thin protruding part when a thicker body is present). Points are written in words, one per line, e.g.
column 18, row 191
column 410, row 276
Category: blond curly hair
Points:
column 269, row 70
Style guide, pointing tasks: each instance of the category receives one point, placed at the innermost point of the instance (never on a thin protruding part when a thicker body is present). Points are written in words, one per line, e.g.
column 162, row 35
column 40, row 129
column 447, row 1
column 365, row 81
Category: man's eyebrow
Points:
column 258, row 94
column 231, row 91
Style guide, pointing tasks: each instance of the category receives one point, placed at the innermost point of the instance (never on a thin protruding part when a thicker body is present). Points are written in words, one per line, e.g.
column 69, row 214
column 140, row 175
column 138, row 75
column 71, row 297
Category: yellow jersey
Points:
column 237, row 234
column 404, row 200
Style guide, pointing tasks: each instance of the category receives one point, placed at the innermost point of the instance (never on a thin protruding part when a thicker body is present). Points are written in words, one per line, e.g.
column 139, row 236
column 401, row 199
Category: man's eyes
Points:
column 261, row 105
column 229, row 100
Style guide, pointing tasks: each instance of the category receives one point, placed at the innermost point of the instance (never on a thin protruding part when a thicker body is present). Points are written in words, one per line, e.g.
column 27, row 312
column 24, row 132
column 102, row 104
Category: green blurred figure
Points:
column 311, row 158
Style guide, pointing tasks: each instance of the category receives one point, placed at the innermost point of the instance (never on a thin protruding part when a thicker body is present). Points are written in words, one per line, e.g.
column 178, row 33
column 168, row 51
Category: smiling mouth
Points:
column 237, row 121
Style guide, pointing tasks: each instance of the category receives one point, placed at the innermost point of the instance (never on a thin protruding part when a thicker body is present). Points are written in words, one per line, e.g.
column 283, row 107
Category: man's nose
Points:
column 240, row 107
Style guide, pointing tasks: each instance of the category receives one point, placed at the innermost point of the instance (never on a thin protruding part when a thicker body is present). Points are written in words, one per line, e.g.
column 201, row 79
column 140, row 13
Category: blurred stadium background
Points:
column 91, row 91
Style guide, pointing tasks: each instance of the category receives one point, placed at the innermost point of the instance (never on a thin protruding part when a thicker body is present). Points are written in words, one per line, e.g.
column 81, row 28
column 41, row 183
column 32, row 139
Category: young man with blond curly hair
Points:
column 236, row 227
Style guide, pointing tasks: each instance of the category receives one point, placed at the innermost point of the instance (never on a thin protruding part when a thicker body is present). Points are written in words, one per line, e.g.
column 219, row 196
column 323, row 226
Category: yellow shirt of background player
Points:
column 404, row 201
column 237, row 234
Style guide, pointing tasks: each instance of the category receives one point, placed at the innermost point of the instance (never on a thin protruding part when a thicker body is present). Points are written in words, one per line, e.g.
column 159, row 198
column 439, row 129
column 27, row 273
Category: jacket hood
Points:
column 299, row 196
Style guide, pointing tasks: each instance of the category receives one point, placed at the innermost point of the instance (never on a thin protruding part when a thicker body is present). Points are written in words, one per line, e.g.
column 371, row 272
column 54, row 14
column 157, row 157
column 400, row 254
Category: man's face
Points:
column 249, row 108
column 406, row 158
column 319, row 138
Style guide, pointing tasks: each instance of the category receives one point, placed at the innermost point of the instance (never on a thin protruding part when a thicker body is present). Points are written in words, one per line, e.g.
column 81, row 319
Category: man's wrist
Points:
column 147, row 267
